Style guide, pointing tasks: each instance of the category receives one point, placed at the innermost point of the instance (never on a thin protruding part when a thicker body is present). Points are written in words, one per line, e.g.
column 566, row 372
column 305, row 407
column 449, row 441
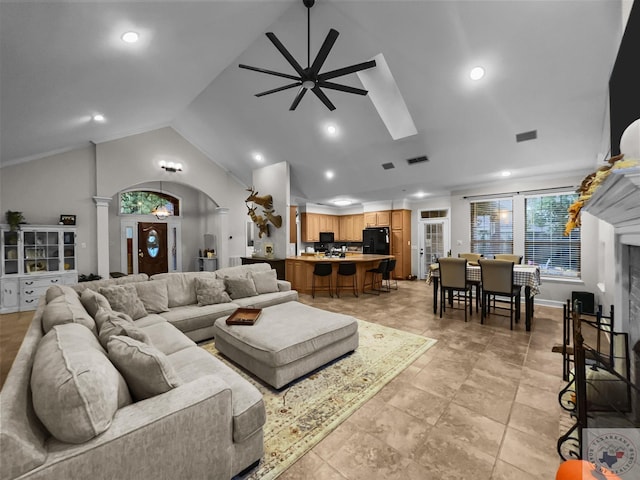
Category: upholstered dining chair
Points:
column 497, row 280
column 321, row 269
column 509, row 257
column 472, row 259
column 453, row 279
column 376, row 275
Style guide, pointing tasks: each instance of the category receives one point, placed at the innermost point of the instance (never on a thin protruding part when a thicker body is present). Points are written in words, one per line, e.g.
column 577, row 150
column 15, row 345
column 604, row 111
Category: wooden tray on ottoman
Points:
column 244, row 316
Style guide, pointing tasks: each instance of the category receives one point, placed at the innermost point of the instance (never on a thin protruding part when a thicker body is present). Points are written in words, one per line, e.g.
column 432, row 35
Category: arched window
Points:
column 145, row 202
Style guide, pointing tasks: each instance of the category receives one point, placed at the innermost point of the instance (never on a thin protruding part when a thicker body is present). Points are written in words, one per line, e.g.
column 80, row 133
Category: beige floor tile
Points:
column 533, row 454
column 472, row 429
column 496, row 385
column 545, row 381
column 504, row 471
column 440, row 381
column 538, row 398
column 534, row 421
column 490, row 405
column 420, row 404
column 335, row 441
column 498, row 367
column 311, row 463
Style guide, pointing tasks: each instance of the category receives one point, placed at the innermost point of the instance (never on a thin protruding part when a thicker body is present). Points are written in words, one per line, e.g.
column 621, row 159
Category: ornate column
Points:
column 102, row 234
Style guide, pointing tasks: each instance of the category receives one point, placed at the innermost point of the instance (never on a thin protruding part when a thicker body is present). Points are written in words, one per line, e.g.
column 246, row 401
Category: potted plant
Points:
column 14, row 219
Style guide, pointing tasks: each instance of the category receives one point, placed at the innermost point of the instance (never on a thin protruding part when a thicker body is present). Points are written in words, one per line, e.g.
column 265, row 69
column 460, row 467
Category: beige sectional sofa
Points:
column 96, row 393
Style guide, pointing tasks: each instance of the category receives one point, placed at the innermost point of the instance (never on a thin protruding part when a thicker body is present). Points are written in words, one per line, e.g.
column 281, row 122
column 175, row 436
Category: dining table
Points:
column 527, row 276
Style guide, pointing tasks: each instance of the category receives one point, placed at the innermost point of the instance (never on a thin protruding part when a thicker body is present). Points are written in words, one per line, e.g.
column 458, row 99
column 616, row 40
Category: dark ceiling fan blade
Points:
column 326, row 47
column 279, row 89
column 343, row 88
column 320, row 94
column 285, row 53
column 346, row 70
column 269, row 72
column 296, row 100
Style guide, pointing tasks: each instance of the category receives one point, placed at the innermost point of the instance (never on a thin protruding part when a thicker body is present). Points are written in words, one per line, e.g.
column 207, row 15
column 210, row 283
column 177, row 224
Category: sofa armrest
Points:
column 284, row 286
column 183, row 433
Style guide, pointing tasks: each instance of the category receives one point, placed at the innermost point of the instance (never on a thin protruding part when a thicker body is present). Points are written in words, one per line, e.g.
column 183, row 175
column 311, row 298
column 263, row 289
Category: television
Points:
column 326, row 237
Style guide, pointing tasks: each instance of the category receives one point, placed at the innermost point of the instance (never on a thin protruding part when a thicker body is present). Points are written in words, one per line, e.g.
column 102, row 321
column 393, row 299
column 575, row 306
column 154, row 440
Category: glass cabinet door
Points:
column 10, row 252
column 41, row 251
column 69, row 250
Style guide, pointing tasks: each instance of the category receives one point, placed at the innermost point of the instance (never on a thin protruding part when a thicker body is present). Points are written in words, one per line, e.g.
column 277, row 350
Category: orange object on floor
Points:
column 583, row 470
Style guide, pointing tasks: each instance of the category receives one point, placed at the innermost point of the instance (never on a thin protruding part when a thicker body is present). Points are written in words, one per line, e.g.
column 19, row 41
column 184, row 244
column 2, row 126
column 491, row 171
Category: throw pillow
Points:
column 265, row 282
column 76, row 390
column 240, row 287
column 117, row 323
column 124, row 298
column 66, row 309
column 55, row 291
column 210, row 291
column 146, row 369
column 93, row 301
column 154, row 295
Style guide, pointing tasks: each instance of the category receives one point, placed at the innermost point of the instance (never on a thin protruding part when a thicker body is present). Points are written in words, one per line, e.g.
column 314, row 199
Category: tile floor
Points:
column 480, row 404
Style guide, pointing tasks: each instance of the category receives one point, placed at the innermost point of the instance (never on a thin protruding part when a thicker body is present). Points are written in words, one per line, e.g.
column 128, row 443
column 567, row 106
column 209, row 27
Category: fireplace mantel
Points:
column 617, row 200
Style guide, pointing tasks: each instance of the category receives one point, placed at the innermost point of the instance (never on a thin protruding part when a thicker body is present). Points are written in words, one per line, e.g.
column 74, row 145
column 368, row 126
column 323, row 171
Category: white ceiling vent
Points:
column 412, row 161
column 524, row 136
column 388, row 166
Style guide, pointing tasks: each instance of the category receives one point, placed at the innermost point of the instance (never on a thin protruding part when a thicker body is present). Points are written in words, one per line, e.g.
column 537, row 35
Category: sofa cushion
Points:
column 55, row 291
column 265, row 282
column 76, row 389
column 210, row 291
column 147, row 370
column 92, row 301
column 124, row 298
column 167, row 338
column 96, row 284
column 193, row 317
column 240, row 287
column 118, row 323
column 267, row 299
column 242, row 270
column 247, row 405
column 66, row 309
column 181, row 286
column 154, row 295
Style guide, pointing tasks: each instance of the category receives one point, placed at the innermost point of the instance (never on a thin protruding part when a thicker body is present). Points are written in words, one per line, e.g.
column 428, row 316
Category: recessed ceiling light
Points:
column 476, row 73
column 505, row 173
column 98, row 117
column 329, row 174
column 130, row 37
column 342, row 203
column 332, row 130
column 258, row 157
column 420, row 195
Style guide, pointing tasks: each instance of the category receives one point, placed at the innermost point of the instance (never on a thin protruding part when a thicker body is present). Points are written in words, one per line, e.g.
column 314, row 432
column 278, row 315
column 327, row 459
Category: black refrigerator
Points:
column 375, row 240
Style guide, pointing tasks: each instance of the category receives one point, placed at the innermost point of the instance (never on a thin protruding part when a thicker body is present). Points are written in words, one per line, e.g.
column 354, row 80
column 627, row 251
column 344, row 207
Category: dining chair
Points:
column 321, row 269
column 376, row 275
column 472, row 259
column 347, row 269
column 509, row 257
column 497, row 280
column 388, row 275
column 453, row 279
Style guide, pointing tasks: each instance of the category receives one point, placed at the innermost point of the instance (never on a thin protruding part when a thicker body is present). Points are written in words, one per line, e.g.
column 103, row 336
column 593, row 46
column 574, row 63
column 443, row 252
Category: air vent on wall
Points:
column 388, row 166
column 412, row 161
column 524, row 136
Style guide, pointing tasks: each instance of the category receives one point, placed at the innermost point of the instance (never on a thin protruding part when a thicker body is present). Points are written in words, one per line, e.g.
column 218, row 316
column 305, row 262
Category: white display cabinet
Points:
column 33, row 258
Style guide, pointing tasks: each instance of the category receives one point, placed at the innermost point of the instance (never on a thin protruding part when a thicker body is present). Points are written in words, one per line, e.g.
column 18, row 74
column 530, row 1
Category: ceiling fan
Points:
column 310, row 78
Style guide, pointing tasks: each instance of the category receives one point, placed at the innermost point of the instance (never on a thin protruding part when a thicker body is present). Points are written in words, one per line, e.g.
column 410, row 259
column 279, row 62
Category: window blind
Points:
column 492, row 226
column 545, row 243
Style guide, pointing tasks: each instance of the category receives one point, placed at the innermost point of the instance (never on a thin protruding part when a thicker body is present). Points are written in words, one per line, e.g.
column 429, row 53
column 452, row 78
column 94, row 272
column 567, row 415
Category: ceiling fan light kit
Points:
column 310, row 78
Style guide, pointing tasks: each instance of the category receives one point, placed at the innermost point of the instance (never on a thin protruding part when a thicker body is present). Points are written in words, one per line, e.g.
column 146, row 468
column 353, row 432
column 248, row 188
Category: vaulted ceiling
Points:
column 547, row 67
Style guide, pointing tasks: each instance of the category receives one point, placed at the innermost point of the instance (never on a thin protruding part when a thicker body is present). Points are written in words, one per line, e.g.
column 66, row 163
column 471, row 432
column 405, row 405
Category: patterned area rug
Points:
column 306, row 411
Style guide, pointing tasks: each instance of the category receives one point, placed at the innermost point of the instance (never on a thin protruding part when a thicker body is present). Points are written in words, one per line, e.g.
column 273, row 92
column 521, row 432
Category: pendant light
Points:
column 161, row 212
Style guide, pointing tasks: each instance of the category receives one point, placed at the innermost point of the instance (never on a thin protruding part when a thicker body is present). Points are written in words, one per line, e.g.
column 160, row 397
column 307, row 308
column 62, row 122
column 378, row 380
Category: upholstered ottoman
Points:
column 288, row 340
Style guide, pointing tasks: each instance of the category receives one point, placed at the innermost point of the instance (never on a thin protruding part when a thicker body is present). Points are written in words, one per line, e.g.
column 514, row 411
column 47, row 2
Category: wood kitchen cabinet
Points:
column 401, row 242
column 377, row 219
column 310, row 227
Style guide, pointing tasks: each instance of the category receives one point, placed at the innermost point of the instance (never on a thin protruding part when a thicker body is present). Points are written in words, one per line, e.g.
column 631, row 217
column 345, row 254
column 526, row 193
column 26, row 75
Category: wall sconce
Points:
column 170, row 166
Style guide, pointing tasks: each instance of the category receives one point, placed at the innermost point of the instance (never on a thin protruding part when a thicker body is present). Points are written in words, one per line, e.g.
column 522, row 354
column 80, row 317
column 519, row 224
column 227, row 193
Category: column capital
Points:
column 222, row 210
column 102, row 201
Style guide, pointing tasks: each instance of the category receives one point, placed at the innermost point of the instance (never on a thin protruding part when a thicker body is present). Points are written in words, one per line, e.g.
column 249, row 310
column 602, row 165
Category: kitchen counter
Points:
column 299, row 270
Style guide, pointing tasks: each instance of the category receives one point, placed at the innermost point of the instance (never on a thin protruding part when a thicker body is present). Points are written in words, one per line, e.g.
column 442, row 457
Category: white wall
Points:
column 60, row 184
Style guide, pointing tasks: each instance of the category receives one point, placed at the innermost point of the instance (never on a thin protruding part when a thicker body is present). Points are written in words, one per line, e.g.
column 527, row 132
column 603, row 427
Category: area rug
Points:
column 305, row 412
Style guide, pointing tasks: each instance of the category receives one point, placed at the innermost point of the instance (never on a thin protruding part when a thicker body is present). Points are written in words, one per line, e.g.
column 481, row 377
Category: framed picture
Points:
column 268, row 250
column 68, row 219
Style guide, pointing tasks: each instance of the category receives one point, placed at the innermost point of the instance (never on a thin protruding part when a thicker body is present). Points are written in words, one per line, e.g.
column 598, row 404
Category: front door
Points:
column 152, row 248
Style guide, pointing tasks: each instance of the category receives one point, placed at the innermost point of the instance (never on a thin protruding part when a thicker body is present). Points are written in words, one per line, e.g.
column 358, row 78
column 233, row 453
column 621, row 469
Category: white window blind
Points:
column 492, row 226
column 545, row 243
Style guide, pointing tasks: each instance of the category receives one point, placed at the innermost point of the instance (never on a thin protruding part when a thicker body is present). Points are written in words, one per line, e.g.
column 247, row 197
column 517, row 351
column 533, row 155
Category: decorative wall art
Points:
column 67, row 219
column 253, row 201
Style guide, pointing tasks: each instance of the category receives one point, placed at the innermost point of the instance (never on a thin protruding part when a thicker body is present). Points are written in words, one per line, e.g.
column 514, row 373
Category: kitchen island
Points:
column 299, row 270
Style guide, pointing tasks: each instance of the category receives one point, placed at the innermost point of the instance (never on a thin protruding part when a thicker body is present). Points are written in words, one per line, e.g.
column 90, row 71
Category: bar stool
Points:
column 376, row 277
column 388, row 275
column 347, row 269
column 321, row 270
